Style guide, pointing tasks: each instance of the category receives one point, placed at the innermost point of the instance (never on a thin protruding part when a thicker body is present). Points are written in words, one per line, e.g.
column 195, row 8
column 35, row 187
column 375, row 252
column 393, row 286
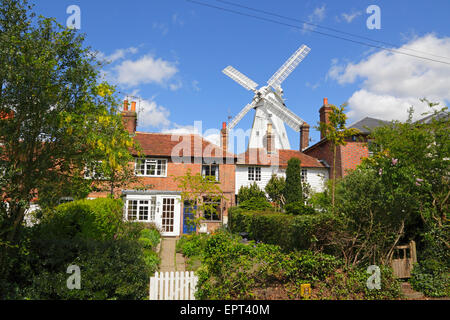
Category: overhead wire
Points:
column 316, row 31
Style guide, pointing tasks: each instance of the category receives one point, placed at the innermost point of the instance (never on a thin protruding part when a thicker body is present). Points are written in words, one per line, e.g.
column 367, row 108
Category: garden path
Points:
column 170, row 260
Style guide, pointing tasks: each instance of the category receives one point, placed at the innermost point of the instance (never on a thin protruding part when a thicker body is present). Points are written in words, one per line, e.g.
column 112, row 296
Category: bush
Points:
column 298, row 207
column 191, row 245
column 115, row 257
column 293, row 186
column 285, row 230
column 109, row 270
column 431, row 277
column 252, row 191
column 255, row 203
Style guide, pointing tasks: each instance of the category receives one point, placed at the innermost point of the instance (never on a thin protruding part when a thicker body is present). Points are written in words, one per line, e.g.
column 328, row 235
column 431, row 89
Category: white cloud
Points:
column 161, row 27
column 349, row 17
column 391, row 82
column 150, row 114
column 317, row 16
column 145, row 70
column 116, row 55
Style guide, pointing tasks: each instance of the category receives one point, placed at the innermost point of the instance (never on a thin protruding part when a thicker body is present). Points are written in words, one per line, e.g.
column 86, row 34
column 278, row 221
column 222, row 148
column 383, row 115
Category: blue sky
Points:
column 171, row 53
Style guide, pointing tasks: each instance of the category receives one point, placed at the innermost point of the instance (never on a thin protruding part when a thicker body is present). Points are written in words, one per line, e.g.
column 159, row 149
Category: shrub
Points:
column 293, row 186
column 109, row 270
column 115, row 260
column 255, row 203
column 298, row 207
column 191, row 245
column 431, row 277
column 288, row 231
column 252, row 191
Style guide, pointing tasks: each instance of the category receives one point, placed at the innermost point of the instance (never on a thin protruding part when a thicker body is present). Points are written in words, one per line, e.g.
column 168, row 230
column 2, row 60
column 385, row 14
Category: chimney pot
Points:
column 224, row 125
column 125, row 105
column 325, row 101
column 133, row 106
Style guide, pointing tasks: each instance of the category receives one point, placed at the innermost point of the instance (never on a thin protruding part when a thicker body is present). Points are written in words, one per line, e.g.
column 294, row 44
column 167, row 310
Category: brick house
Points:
column 163, row 157
column 348, row 157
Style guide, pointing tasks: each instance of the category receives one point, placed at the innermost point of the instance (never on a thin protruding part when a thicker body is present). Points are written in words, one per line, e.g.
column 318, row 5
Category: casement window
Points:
column 254, row 173
column 151, row 167
column 213, row 210
column 141, row 210
column 210, row 170
column 304, row 175
column 94, row 171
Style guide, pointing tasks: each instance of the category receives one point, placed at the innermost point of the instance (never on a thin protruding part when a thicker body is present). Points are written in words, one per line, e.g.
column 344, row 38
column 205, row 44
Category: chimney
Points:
column 304, row 136
column 224, row 136
column 129, row 117
column 270, row 139
column 324, row 114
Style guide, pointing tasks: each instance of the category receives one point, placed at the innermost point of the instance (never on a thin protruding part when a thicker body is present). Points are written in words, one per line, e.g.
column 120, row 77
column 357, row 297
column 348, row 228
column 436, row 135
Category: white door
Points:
column 169, row 216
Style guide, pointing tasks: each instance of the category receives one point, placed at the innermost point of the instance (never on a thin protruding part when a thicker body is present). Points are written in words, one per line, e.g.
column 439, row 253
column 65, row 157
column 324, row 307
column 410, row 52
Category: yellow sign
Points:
column 305, row 290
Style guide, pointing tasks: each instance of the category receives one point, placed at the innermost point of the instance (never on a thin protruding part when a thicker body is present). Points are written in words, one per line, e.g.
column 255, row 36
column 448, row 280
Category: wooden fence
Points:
column 173, row 286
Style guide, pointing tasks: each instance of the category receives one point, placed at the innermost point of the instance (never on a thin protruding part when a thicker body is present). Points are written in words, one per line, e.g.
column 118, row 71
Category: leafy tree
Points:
column 55, row 117
column 293, row 188
column 195, row 189
column 274, row 189
column 252, row 191
column 336, row 132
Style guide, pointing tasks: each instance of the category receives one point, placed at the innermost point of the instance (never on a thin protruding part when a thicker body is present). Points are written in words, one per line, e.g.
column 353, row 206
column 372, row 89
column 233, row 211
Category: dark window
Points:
column 254, row 173
column 211, row 170
column 212, row 210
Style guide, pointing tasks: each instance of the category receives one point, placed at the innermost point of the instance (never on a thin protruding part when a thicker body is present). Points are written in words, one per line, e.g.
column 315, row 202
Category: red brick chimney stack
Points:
column 129, row 117
column 224, row 136
column 324, row 114
column 304, row 136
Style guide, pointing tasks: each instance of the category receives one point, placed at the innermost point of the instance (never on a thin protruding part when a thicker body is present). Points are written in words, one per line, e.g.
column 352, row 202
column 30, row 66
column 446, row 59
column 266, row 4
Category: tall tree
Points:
column 336, row 132
column 55, row 117
column 293, row 186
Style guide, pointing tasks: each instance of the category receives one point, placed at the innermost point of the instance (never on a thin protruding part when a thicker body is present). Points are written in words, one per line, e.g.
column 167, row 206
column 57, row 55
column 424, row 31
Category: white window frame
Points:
column 146, row 205
column 254, row 174
column 217, row 171
column 159, row 163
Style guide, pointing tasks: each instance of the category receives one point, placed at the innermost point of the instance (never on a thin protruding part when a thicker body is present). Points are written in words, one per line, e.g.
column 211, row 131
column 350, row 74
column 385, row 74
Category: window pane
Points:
column 132, row 210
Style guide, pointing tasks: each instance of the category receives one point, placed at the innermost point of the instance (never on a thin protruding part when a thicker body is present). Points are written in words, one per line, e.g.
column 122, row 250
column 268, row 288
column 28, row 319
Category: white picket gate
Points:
column 173, row 285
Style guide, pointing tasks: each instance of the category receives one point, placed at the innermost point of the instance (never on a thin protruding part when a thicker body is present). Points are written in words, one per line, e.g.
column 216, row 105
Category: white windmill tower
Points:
column 269, row 104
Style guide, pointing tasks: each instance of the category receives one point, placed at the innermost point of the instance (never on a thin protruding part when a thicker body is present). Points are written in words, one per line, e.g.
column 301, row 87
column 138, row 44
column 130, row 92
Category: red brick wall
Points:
column 351, row 155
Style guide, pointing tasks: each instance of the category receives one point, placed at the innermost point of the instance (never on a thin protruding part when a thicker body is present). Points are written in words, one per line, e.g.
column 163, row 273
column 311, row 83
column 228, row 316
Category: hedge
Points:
column 285, row 230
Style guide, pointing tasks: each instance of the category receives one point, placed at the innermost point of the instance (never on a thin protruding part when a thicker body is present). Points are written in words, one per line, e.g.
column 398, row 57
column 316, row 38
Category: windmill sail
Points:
column 289, row 66
column 286, row 115
column 240, row 78
column 241, row 114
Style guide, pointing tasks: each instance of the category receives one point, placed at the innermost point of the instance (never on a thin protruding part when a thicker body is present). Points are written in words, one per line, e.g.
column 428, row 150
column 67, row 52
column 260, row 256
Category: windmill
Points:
column 269, row 104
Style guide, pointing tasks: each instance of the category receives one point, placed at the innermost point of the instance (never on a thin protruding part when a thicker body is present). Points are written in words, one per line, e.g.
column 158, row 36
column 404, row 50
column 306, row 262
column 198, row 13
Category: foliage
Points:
column 234, row 270
column 253, row 191
column 431, row 277
column 274, row 189
column 255, row 204
column 115, row 257
column 285, row 230
column 336, row 132
column 299, row 207
column 293, row 186
column 351, row 283
column 195, row 189
column 191, row 245
column 56, row 117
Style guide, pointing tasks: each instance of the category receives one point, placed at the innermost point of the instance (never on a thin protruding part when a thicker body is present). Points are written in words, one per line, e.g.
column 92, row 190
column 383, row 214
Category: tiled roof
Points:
column 279, row 158
column 367, row 124
column 179, row 145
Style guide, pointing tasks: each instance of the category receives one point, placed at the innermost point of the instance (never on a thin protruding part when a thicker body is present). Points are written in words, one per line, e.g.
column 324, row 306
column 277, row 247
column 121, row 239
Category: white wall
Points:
column 315, row 177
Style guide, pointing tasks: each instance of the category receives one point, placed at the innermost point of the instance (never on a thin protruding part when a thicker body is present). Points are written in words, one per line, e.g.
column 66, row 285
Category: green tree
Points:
column 293, row 189
column 336, row 132
column 252, row 191
column 274, row 189
column 55, row 117
column 195, row 189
